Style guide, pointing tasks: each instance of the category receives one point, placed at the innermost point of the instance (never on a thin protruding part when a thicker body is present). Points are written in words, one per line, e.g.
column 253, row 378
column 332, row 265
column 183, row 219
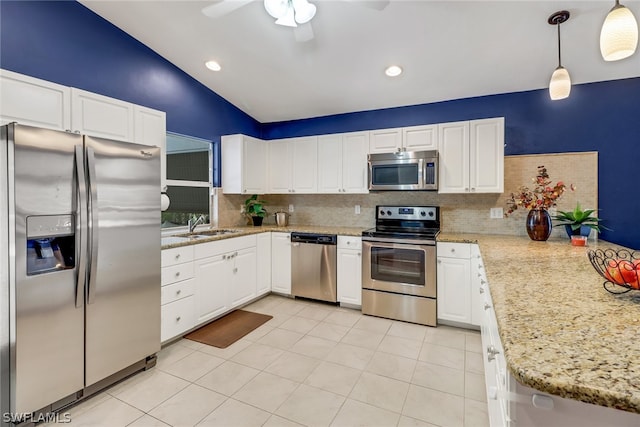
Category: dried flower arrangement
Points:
column 544, row 194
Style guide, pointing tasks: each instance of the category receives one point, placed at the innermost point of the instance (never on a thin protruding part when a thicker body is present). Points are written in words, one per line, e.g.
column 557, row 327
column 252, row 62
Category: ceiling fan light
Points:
column 276, row 8
column 304, row 11
column 560, row 85
column 619, row 34
column 288, row 19
column 213, row 65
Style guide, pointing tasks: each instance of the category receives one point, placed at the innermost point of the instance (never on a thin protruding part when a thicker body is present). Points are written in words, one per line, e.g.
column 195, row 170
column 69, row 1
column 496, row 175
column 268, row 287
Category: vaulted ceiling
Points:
column 448, row 50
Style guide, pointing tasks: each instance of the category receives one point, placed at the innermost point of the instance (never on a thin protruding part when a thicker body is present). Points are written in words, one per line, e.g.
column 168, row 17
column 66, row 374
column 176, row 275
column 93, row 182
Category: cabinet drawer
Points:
column 349, row 242
column 177, row 291
column 176, row 273
column 454, row 250
column 177, row 317
column 177, row 255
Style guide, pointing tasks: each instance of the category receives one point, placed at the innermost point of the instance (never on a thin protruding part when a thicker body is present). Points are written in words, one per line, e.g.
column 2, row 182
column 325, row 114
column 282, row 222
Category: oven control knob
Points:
column 430, row 213
column 388, row 212
column 423, row 213
column 381, row 212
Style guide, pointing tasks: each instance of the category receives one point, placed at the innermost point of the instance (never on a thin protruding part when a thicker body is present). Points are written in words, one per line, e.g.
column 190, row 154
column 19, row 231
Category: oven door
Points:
column 396, row 174
column 402, row 268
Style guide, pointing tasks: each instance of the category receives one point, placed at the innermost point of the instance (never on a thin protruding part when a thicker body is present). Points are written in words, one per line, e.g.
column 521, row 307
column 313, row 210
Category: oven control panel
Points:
column 408, row 212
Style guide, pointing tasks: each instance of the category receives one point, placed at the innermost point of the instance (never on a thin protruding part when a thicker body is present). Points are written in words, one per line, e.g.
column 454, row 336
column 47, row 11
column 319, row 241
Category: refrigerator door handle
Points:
column 81, row 225
column 93, row 219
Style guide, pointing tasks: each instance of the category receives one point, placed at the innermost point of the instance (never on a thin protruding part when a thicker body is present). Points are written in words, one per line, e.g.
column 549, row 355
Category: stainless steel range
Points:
column 399, row 264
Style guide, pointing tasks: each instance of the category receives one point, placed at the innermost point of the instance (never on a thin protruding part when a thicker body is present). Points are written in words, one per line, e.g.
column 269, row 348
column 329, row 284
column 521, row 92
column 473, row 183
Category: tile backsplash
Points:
column 460, row 213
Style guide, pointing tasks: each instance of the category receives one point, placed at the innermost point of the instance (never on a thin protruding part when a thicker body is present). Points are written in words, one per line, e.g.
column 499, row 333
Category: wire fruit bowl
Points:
column 620, row 268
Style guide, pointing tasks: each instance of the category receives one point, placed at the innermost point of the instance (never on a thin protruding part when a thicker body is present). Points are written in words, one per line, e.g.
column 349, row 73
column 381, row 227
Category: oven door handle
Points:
column 396, row 243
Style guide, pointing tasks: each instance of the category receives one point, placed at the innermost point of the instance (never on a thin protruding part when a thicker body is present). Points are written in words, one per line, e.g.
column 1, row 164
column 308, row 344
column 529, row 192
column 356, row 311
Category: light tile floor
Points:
column 313, row 364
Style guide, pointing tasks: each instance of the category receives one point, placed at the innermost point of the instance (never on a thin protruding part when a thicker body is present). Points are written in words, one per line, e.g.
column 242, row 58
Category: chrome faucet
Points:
column 192, row 224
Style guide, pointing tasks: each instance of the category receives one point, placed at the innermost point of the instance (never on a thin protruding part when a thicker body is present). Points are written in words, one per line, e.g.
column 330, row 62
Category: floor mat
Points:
column 225, row 331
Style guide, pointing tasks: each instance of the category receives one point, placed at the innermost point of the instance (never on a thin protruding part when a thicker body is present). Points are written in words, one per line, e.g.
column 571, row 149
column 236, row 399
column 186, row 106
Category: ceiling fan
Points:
column 290, row 13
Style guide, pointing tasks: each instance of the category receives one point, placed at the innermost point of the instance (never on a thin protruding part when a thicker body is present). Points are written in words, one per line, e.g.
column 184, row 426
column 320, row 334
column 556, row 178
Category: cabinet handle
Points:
column 178, row 292
column 453, row 250
column 466, row 189
column 491, row 353
column 177, row 256
column 481, row 290
column 482, row 281
column 348, row 242
column 178, row 318
column 487, row 306
column 235, row 270
column 224, row 256
column 479, row 274
column 473, row 189
column 439, row 261
column 177, row 274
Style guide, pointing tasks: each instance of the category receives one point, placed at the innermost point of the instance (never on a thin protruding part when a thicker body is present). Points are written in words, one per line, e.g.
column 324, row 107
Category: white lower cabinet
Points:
column 281, row 263
column 454, row 287
column 263, row 264
column 213, row 276
column 349, row 265
column 177, row 292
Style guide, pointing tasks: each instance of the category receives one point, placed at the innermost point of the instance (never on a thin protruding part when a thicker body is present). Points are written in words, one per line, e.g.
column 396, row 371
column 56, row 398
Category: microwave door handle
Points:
column 93, row 222
column 81, row 225
column 422, row 175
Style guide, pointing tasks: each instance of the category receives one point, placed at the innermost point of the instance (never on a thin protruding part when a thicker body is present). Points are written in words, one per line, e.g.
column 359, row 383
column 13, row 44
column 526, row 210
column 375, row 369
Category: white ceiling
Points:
column 448, row 49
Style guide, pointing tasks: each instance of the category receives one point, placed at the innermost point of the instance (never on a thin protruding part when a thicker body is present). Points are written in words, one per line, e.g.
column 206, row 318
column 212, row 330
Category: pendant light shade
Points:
column 560, row 84
column 619, row 34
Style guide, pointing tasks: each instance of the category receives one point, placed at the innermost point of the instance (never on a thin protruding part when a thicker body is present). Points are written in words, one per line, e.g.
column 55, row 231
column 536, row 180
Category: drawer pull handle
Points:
column 481, row 290
column 178, row 318
column 177, row 256
column 452, row 250
column 235, row 270
column 177, row 274
column 487, row 306
column 482, row 281
column 178, row 292
column 491, row 353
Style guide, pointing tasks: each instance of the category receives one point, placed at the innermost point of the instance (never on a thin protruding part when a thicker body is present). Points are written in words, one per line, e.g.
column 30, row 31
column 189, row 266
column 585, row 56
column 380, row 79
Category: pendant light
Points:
column 619, row 34
column 560, row 85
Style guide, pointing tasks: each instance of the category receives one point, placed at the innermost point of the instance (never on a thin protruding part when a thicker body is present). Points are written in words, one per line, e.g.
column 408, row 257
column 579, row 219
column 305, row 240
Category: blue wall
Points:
column 66, row 43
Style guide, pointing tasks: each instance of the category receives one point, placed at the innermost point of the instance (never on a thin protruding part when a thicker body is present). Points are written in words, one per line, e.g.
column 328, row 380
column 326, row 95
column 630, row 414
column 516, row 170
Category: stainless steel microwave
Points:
column 403, row 170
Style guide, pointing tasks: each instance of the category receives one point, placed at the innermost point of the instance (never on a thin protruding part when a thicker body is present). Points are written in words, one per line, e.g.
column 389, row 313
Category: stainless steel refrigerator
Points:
column 80, row 273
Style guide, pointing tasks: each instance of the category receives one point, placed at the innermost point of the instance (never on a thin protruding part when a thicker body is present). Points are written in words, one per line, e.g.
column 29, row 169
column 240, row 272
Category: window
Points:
column 189, row 173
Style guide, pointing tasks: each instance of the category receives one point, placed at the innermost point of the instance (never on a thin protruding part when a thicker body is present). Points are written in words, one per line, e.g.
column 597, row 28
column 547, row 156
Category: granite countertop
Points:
column 176, row 241
column 562, row 332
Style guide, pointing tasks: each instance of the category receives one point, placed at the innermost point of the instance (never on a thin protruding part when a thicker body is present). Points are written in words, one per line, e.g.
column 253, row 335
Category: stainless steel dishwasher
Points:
column 313, row 266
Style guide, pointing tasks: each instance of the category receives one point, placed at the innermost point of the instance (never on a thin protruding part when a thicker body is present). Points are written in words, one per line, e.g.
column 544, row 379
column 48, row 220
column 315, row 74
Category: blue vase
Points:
column 584, row 231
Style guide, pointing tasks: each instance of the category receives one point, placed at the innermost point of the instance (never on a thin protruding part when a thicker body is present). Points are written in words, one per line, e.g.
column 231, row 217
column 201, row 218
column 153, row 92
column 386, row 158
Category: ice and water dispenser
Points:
column 50, row 243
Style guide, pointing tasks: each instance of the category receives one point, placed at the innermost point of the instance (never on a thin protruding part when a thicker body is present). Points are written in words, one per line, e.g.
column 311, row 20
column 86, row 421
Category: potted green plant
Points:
column 254, row 209
column 579, row 222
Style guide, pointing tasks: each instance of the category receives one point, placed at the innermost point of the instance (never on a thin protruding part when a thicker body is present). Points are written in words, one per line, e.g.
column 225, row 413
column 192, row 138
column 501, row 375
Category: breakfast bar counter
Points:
column 562, row 332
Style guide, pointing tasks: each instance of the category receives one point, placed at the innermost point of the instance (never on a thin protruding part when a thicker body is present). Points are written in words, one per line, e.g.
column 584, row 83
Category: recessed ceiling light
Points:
column 213, row 65
column 393, row 71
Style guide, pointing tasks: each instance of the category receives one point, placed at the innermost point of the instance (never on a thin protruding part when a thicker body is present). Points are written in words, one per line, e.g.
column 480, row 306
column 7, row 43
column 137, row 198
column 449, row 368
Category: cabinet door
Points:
column 279, row 167
column 304, row 164
column 454, row 299
column 354, row 162
column 281, row 263
column 34, row 102
column 385, row 140
column 263, row 264
column 151, row 129
column 243, row 283
column 213, row 278
column 254, row 166
column 418, row 138
column 453, row 151
column 101, row 116
column 486, row 154
column 330, row 164
column 350, row 276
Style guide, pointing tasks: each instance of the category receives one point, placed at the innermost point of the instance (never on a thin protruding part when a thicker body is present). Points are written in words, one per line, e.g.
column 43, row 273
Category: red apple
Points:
column 628, row 271
column 612, row 272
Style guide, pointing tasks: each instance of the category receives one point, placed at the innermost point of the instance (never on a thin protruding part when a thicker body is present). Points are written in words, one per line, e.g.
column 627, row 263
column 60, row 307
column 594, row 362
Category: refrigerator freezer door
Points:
column 123, row 302
column 48, row 342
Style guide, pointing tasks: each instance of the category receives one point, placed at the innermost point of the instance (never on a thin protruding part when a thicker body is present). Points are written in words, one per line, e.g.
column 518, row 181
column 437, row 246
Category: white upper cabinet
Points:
column 385, row 140
column 471, row 156
column 151, row 129
column 486, row 155
column 414, row 138
column 101, row 116
column 418, row 138
column 244, row 165
column 34, row 102
column 342, row 163
column 293, row 165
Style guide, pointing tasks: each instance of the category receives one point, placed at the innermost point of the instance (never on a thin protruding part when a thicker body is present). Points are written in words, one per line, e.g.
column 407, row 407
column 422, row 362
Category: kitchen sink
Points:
column 210, row 233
